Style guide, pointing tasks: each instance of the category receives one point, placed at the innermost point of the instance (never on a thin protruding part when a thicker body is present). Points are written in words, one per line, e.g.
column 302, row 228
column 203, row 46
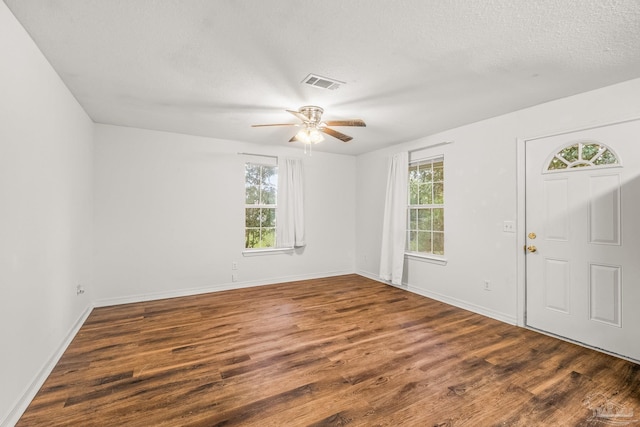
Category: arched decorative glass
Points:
column 583, row 154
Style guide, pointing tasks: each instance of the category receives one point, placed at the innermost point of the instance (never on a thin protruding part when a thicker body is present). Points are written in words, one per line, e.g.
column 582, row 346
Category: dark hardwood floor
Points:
column 329, row 352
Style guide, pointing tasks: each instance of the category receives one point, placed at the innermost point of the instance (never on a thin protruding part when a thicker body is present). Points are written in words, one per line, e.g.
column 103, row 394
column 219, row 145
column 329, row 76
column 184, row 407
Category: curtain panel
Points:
column 290, row 209
column 394, row 232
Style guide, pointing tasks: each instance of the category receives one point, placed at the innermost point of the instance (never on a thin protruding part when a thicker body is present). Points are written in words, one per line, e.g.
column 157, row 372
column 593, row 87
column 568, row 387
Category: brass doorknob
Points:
column 532, row 249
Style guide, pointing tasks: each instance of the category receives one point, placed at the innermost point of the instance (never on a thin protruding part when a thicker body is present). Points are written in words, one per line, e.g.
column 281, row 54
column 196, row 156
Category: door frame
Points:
column 521, row 210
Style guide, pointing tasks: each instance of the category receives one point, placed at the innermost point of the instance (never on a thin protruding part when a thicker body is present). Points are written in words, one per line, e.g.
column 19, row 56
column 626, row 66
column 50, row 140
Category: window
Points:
column 261, row 185
column 425, row 213
column 583, row 155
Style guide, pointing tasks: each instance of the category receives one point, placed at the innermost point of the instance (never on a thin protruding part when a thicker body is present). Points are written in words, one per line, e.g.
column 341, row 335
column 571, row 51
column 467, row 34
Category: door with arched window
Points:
column 583, row 236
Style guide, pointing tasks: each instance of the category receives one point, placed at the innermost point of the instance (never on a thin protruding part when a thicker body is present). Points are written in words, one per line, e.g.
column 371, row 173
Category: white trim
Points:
column 262, row 159
column 267, row 251
column 502, row 317
column 433, row 259
column 574, row 170
column 414, row 155
column 29, row 394
column 581, row 344
column 425, row 257
column 521, row 174
column 431, row 159
column 464, row 305
column 258, row 155
column 32, row 389
column 521, row 231
column 214, row 288
column 581, row 143
column 372, row 276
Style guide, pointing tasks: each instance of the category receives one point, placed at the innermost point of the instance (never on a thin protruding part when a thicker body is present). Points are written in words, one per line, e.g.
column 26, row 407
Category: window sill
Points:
column 266, row 251
column 433, row 259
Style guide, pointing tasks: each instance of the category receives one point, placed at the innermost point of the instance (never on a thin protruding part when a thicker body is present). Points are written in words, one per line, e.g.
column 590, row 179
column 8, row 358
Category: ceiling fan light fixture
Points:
column 313, row 128
column 315, row 136
column 309, row 136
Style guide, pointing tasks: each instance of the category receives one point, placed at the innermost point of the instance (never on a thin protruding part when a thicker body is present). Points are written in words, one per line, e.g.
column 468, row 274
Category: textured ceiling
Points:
column 411, row 67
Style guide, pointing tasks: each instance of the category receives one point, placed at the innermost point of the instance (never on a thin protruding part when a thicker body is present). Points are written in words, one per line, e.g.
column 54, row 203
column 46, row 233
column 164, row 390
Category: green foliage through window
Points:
column 582, row 154
column 425, row 213
column 261, row 190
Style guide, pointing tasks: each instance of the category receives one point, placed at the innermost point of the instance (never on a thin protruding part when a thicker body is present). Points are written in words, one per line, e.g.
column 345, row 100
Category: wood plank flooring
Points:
column 329, row 352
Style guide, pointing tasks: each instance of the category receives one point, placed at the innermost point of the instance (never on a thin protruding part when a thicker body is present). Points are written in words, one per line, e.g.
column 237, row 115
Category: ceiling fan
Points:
column 313, row 127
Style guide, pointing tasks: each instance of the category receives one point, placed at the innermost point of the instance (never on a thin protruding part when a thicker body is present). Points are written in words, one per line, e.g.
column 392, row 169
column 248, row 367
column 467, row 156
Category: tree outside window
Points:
column 425, row 213
column 261, row 187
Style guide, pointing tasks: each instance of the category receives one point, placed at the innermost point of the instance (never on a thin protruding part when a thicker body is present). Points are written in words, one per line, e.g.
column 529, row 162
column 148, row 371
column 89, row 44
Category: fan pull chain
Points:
column 309, row 151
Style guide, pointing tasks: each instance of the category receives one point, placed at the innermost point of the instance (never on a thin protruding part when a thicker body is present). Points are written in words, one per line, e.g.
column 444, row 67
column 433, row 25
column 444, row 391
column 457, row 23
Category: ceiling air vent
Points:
column 322, row 82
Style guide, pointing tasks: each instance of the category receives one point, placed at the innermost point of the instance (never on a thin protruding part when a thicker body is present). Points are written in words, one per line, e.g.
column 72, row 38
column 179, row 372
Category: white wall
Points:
column 45, row 216
column 480, row 193
column 169, row 216
column 169, row 219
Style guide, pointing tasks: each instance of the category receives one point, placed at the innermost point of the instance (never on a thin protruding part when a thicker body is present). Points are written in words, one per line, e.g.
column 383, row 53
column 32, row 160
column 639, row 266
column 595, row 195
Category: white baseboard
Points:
column 512, row 320
column 372, row 276
column 214, row 288
column 23, row 402
column 464, row 305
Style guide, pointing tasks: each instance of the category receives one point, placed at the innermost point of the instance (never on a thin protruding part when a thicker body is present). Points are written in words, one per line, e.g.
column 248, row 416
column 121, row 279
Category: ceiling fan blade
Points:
column 334, row 133
column 352, row 122
column 299, row 115
column 275, row 124
column 294, row 138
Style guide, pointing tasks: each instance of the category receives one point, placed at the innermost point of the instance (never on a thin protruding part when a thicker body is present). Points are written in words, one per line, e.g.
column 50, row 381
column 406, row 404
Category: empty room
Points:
column 319, row 213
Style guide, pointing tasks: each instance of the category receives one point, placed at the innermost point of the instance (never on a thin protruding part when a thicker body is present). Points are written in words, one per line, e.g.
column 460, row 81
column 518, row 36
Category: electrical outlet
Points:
column 234, row 277
column 234, row 265
column 79, row 290
column 487, row 285
column 509, row 227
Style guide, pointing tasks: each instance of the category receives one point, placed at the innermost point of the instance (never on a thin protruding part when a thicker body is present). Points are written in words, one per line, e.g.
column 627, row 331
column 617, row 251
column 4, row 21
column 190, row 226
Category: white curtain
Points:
column 290, row 210
column 394, row 232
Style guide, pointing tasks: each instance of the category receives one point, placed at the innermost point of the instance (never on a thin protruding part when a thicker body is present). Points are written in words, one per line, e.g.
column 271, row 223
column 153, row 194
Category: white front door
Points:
column 583, row 236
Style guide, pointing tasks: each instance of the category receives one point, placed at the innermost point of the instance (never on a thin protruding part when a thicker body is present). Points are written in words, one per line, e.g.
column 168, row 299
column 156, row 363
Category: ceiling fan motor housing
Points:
column 312, row 112
column 311, row 116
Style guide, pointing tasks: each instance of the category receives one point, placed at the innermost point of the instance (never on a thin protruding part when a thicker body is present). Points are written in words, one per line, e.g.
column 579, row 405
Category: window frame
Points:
column 558, row 157
column 414, row 254
column 262, row 163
